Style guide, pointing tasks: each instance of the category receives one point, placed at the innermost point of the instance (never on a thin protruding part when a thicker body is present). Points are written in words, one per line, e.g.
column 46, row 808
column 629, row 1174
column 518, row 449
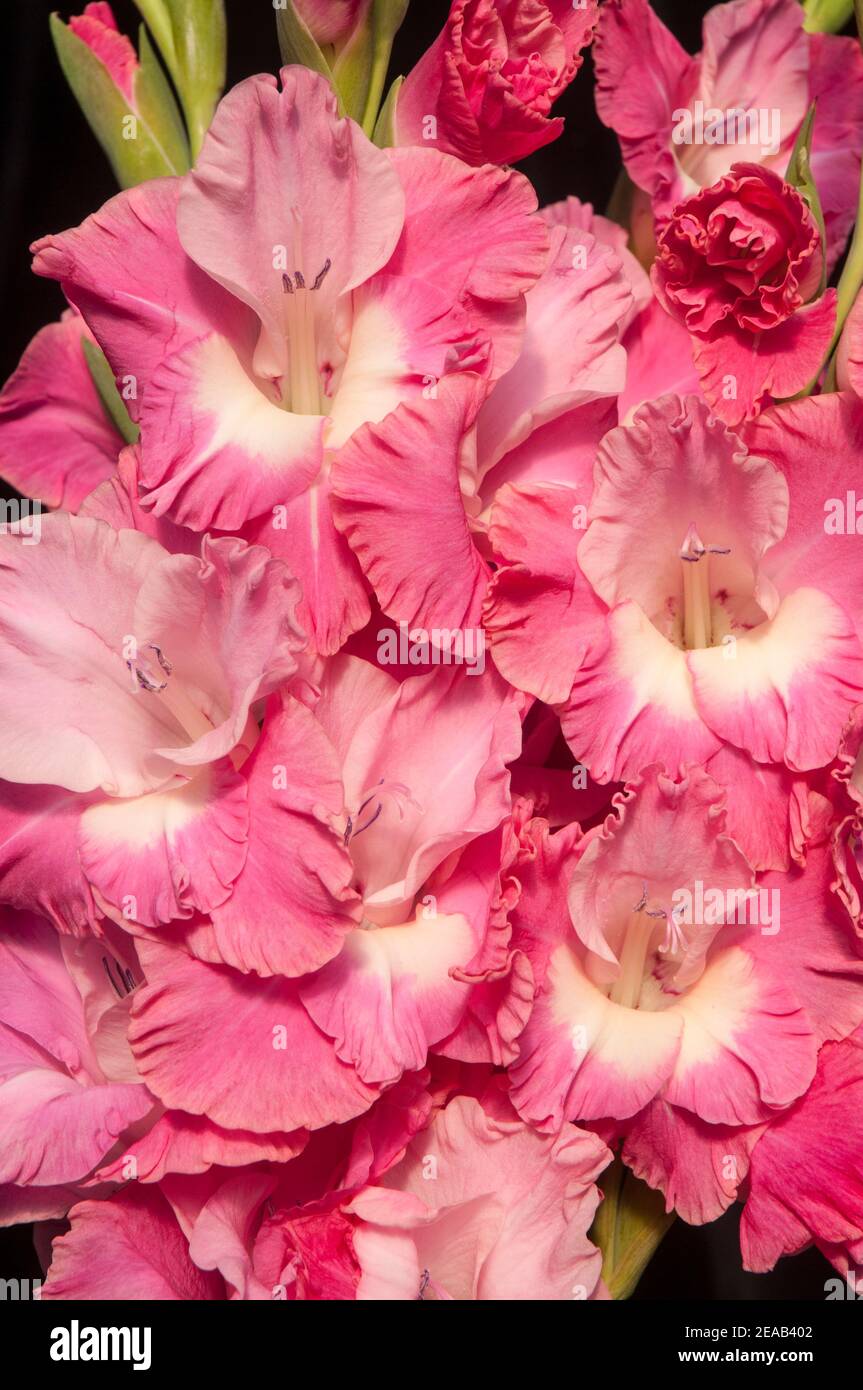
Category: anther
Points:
column 322, row 274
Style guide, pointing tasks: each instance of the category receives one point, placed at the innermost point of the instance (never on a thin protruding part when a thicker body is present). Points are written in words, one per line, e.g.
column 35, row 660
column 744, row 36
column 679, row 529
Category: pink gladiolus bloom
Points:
column 742, row 631
column 147, row 665
column 419, row 947
column 289, row 289
column 673, row 992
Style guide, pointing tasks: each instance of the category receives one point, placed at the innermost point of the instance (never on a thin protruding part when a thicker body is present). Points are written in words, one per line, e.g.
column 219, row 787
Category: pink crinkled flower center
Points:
column 495, row 60
column 746, row 249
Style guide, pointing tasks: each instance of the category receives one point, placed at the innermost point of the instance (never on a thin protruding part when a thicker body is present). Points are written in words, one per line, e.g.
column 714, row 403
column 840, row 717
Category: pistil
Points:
column 697, row 625
column 626, row 989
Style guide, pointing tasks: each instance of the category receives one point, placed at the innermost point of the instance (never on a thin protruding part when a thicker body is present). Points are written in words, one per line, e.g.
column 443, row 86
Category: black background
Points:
column 53, row 175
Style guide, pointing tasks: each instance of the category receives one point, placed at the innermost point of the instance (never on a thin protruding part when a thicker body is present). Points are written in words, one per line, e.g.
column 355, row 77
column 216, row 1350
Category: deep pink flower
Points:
column 485, row 88
column 739, row 265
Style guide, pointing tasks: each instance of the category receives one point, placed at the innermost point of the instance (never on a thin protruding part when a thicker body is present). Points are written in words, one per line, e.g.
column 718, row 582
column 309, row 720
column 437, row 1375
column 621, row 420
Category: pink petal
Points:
column 632, row 703
column 179, row 1143
column 541, row 614
column 56, row 441
column 97, row 28
column 658, row 361
column 334, row 602
column 139, row 293
column 134, row 1231
column 397, row 499
column 39, row 867
column 777, row 364
column 240, row 1050
column 169, row 854
column 571, row 354
column 698, row 1166
column 292, row 904
column 790, row 1202
column 787, row 694
column 482, row 1228
column 642, row 76
column 238, row 455
column 477, row 718
column 836, row 84
column 495, row 247
column 673, row 465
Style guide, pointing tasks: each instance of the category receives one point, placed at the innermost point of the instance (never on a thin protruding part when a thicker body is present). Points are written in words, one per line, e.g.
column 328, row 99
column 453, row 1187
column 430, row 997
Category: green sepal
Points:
column 628, row 1227
column 385, row 135
column 799, row 175
column 105, row 384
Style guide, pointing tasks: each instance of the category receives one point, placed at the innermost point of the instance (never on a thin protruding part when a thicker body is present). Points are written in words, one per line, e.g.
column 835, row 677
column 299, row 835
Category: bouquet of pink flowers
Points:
column 431, row 662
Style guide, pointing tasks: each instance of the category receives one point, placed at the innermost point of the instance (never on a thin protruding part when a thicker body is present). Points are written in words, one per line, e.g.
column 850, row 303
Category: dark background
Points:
column 53, row 174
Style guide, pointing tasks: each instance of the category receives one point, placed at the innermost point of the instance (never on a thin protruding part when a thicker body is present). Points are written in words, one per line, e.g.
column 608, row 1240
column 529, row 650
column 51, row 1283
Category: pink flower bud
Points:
column 484, row 89
column 97, row 28
column 330, row 21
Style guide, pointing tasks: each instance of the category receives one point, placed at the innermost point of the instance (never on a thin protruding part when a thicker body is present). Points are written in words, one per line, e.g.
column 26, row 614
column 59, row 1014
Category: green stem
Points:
column 827, row 16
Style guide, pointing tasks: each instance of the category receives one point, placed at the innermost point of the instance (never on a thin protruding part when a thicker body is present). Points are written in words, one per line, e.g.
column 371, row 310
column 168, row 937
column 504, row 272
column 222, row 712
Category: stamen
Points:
column 395, row 792
column 322, row 274
column 191, row 720
column 359, row 830
column 287, row 283
column 299, row 280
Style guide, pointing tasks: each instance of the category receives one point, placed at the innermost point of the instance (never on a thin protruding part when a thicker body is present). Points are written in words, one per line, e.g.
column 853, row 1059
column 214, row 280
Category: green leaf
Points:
column 628, row 1228
column 140, row 144
column 192, row 38
column 799, row 175
column 385, row 135
column 103, row 380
